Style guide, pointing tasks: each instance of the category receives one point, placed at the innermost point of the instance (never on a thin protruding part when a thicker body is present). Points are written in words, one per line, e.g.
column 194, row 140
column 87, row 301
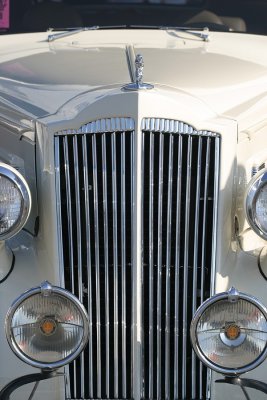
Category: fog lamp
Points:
column 256, row 203
column 229, row 332
column 47, row 327
column 15, row 201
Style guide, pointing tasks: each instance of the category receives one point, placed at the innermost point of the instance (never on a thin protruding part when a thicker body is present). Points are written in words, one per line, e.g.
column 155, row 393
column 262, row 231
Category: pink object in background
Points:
column 4, row 14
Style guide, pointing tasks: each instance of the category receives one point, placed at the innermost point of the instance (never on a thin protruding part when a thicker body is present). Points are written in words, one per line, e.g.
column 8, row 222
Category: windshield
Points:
column 218, row 15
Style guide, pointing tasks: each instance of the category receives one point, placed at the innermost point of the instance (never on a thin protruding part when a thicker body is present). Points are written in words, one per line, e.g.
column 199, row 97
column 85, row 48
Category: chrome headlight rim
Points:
column 232, row 295
column 45, row 286
column 253, row 190
column 17, row 179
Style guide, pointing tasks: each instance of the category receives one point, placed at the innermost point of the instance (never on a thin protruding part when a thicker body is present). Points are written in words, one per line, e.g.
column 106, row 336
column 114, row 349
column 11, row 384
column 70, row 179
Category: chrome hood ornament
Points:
column 138, row 84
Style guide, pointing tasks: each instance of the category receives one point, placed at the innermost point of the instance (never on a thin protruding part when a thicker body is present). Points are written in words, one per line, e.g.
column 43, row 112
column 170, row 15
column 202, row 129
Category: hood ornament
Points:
column 138, row 84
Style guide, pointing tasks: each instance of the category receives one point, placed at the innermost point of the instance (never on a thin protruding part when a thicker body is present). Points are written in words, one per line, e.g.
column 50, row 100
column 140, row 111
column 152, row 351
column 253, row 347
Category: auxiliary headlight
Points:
column 256, row 203
column 47, row 327
column 15, row 201
column 229, row 332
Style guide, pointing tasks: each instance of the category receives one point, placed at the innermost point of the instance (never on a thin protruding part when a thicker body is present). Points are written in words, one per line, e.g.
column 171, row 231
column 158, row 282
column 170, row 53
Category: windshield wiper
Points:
column 73, row 31
column 202, row 33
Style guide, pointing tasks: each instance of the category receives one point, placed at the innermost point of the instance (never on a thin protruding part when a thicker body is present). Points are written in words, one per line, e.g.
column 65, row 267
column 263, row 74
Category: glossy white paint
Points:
column 217, row 86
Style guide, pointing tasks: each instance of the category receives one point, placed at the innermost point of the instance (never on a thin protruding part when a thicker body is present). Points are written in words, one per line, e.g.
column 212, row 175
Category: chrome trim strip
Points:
column 137, row 266
column 177, row 270
column 79, row 242
column 67, row 178
column 115, row 264
column 106, row 238
column 130, row 57
column 70, row 235
column 78, row 214
column 162, row 125
column 159, row 262
column 203, row 243
column 97, row 267
column 142, row 363
column 60, row 241
column 195, row 265
column 151, row 266
column 123, row 263
column 168, row 272
column 186, row 266
column 108, row 125
column 132, row 263
column 215, row 213
column 88, row 264
column 58, row 209
column 204, row 219
column 214, row 238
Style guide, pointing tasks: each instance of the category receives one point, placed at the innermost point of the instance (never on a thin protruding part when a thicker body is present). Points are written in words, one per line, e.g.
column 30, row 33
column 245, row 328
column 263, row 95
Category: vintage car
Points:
column 133, row 200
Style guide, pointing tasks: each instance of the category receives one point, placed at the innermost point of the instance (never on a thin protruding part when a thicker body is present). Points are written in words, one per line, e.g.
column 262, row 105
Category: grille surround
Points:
column 118, row 129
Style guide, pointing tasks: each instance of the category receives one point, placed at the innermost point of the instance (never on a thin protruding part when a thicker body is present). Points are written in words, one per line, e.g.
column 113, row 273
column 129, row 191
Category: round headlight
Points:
column 15, row 201
column 256, row 203
column 47, row 327
column 229, row 332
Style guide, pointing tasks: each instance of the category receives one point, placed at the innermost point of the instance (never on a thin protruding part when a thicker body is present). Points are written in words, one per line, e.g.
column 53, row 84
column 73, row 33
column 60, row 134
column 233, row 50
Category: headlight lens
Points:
column 256, row 203
column 229, row 332
column 47, row 327
column 15, row 201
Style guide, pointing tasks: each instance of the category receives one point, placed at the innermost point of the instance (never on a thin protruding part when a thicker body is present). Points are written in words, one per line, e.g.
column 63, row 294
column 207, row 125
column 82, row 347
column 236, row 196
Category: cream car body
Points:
column 216, row 85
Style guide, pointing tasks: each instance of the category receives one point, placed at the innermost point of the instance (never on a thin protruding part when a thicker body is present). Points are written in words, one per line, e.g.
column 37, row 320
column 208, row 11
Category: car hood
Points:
column 39, row 77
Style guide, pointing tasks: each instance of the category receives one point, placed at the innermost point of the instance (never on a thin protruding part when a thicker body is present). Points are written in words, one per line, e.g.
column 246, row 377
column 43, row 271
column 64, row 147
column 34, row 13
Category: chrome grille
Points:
column 137, row 223
column 180, row 182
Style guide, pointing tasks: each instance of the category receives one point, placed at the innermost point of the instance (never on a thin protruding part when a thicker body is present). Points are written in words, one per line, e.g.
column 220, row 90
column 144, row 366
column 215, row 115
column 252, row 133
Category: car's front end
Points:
column 138, row 208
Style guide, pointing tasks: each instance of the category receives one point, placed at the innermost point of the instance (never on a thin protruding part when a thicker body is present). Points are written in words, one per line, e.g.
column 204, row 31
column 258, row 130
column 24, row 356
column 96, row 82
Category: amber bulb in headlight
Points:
column 15, row 201
column 47, row 327
column 229, row 332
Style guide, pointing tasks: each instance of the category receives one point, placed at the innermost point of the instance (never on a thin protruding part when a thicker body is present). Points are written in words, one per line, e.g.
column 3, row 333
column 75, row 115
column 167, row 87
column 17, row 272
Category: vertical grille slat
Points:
column 123, row 265
column 115, row 260
column 106, row 256
column 79, row 244
column 195, row 265
column 138, row 227
column 151, row 266
column 69, row 217
column 133, row 179
column 177, row 271
column 159, row 263
column 186, row 265
column 168, row 272
column 203, row 252
column 97, row 268
column 58, row 180
column 88, row 265
column 205, row 219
